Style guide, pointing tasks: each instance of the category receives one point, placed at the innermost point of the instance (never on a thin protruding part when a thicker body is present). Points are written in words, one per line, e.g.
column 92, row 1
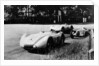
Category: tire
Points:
column 78, row 34
column 50, row 44
column 71, row 35
column 62, row 39
column 63, row 29
column 86, row 34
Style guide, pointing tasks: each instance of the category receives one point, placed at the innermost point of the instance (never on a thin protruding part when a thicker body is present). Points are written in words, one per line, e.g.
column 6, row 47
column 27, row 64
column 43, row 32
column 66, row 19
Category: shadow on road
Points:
column 48, row 49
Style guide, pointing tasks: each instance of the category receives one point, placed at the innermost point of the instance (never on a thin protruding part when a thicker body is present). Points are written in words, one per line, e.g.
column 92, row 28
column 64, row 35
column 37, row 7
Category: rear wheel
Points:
column 78, row 33
column 86, row 34
column 62, row 39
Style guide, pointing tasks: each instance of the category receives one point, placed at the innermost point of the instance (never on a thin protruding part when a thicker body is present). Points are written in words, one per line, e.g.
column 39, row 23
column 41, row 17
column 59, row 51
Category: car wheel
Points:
column 71, row 35
column 62, row 39
column 63, row 29
column 50, row 44
column 78, row 33
column 86, row 34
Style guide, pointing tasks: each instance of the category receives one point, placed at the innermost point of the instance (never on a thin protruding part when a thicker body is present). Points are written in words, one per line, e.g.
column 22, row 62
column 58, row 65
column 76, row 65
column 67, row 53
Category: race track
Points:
column 12, row 50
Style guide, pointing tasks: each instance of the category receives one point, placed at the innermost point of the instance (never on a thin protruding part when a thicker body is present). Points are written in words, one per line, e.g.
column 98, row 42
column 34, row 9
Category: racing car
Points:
column 79, row 32
column 66, row 29
column 41, row 40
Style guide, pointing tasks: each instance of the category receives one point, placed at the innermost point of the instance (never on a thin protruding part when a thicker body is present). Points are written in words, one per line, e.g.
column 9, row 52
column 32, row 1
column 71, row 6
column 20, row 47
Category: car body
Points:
column 79, row 32
column 56, row 28
column 41, row 40
column 64, row 28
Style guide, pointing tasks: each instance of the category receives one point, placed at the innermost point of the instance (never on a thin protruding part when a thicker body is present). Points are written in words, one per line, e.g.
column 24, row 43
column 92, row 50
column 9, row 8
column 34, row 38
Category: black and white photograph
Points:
column 48, row 32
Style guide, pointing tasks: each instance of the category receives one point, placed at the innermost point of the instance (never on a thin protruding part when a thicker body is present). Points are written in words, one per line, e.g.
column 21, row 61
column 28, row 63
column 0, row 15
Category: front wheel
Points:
column 71, row 35
column 50, row 44
column 63, row 29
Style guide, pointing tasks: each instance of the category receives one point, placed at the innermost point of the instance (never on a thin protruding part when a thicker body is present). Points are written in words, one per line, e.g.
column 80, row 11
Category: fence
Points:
column 91, row 45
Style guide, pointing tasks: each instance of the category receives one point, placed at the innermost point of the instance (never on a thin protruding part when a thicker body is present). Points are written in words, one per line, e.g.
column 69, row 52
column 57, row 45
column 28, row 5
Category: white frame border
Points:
column 50, row 62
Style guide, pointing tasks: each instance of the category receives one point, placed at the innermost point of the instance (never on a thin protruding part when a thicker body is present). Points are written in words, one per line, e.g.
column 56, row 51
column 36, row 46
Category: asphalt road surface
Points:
column 12, row 50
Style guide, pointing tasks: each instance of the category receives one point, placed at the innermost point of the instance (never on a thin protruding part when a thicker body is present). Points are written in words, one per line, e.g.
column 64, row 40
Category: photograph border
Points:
column 51, row 62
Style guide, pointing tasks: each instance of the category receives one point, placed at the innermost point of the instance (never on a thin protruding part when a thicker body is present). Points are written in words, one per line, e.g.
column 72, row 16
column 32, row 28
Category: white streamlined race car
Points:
column 41, row 40
column 80, row 32
column 64, row 28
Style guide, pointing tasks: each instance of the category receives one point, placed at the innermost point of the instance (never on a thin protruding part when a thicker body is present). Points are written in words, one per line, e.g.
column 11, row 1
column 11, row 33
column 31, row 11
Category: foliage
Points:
column 49, row 13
